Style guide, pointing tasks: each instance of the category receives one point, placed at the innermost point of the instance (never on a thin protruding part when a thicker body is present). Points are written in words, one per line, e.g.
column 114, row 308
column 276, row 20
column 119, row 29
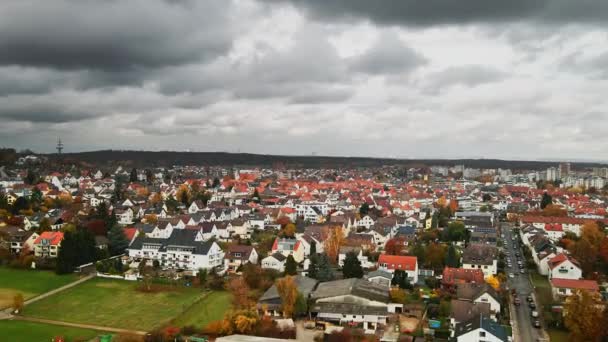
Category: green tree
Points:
column 313, row 248
column 546, row 200
column 77, row 248
column 31, row 178
column 313, row 266
column 419, row 251
column 291, row 268
column 324, row 271
column 401, row 279
column 216, row 182
column 117, row 240
column 20, row 204
column 455, row 231
column 364, row 209
column 451, row 259
column 36, row 197
column 133, row 176
column 352, row 266
column 256, row 196
column 301, row 306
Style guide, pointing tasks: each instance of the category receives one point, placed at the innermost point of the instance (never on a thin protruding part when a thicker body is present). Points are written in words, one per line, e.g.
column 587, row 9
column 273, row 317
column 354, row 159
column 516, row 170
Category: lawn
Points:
column 114, row 303
column 29, row 283
column 542, row 288
column 21, row 331
column 558, row 335
column 210, row 308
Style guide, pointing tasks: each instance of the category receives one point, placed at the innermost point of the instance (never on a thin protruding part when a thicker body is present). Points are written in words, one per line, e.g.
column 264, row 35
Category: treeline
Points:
column 168, row 158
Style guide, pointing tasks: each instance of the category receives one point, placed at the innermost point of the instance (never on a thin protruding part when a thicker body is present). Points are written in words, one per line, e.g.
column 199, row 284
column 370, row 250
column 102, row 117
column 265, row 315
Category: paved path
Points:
column 59, row 289
column 78, row 325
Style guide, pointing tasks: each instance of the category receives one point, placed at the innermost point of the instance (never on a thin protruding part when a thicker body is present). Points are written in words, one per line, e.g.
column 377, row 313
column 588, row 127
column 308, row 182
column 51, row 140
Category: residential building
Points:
column 483, row 257
column 47, row 244
column 409, row 264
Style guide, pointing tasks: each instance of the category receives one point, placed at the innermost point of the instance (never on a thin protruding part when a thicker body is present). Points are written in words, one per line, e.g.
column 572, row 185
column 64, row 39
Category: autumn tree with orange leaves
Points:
column 239, row 289
column 333, row 242
column 288, row 291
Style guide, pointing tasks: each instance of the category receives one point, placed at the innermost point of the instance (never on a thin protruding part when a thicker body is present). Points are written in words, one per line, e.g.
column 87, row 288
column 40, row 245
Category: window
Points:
column 482, row 334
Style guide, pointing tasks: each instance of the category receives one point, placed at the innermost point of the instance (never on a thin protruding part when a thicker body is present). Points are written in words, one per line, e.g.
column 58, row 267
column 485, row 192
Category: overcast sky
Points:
column 524, row 79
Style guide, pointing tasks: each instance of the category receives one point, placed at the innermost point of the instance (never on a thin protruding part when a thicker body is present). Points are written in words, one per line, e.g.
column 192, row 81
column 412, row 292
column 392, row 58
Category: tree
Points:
column 364, row 209
column 31, row 178
column 313, row 266
column 455, row 231
column 324, row 271
column 133, row 176
column 546, row 200
column 20, row 204
column 435, row 255
column 451, row 259
column 584, row 252
column 301, row 306
column 313, row 247
column 291, row 268
column 486, row 197
column 582, row 312
column 352, row 266
column 117, row 240
column 183, row 194
column 393, row 247
column 216, row 182
column 289, row 230
column 333, row 243
column 494, row 282
column 398, row 295
column 239, row 289
column 419, row 251
column 401, row 279
column 77, row 248
column 256, row 196
column 288, row 291
column 18, row 302
column 36, row 197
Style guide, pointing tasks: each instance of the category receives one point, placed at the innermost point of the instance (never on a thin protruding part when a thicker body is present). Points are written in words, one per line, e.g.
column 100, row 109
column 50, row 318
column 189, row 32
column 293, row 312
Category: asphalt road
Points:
column 522, row 314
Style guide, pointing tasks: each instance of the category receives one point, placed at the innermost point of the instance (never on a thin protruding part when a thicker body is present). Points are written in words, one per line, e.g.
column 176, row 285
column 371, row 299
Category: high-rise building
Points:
column 564, row 169
column 552, row 174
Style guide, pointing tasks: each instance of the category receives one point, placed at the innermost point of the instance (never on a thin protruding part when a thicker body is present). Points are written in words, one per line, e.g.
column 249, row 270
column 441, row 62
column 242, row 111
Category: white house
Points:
column 274, row 261
column 409, row 264
column 182, row 250
column 238, row 255
column 365, row 263
column 480, row 329
column 563, row 267
column 481, row 256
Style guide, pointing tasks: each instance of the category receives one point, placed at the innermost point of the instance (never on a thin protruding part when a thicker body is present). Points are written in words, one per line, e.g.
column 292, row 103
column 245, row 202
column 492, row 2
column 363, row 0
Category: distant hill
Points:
column 169, row 158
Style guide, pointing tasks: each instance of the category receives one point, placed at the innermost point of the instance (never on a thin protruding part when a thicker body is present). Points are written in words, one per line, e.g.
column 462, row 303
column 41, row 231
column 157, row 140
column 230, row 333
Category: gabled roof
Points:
column 581, row 284
column 398, row 262
column 484, row 323
column 54, row 238
column 352, row 286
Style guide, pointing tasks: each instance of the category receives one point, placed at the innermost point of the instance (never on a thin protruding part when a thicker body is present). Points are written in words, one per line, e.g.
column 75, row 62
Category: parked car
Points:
column 534, row 313
column 532, row 305
column 529, row 298
column 537, row 324
column 517, row 301
column 522, row 271
column 511, row 275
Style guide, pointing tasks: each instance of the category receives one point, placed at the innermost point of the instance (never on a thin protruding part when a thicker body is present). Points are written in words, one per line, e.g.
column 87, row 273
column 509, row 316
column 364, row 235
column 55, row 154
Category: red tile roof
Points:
column 398, row 262
column 590, row 285
column 130, row 233
column 461, row 275
column 54, row 237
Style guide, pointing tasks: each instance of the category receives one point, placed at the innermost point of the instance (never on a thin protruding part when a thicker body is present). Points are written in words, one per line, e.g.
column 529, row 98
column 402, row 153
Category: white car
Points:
column 511, row 275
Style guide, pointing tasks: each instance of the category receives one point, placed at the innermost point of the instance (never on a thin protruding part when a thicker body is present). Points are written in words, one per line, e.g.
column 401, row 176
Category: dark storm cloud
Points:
column 111, row 35
column 437, row 12
column 43, row 113
column 388, row 55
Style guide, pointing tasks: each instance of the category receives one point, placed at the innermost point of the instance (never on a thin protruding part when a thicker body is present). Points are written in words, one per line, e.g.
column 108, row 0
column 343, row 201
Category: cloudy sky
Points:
column 517, row 79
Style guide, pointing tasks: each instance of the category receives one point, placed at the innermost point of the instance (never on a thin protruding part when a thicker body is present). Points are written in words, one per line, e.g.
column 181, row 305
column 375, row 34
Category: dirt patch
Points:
column 408, row 324
column 6, row 297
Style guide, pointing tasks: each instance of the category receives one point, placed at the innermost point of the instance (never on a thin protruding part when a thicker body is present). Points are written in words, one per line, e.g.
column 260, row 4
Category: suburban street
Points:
column 523, row 329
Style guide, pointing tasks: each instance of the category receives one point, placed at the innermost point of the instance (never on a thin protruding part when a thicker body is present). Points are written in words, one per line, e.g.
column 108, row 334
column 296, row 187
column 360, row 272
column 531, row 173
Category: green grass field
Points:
column 114, row 303
column 29, row 283
column 20, row 331
column 211, row 308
